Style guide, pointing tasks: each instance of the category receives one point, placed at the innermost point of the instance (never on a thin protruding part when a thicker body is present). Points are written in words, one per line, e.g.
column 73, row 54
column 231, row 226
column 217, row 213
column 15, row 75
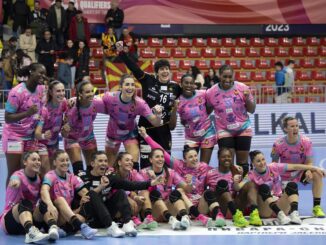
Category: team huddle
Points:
column 45, row 201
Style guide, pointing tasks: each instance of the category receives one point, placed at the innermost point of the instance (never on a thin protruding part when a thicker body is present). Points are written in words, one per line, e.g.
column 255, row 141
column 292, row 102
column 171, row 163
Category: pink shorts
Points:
column 18, row 146
column 88, row 144
column 47, row 150
column 226, row 134
column 114, row 145
column 208, row 140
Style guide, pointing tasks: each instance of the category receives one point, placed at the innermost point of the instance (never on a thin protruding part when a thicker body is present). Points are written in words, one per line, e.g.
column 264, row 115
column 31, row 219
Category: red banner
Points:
column 208, row 11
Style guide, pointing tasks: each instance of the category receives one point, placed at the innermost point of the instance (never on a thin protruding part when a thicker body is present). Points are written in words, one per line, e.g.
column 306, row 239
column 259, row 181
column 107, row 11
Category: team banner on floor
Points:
column 208, row 11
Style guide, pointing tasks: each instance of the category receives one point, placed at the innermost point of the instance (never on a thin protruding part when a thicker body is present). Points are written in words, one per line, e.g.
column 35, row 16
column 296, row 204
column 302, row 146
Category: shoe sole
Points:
column 90, row 236
column 43, row 240
column 256, row 224
column 131, row 234
column 54, row 236
column 152, row 225
column 220, row 223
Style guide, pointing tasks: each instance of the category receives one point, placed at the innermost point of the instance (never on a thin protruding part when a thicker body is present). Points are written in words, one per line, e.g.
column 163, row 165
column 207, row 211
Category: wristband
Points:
column 43, row 137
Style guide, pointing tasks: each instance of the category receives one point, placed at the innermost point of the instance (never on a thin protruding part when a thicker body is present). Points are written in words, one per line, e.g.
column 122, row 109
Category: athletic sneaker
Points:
column 175, row 224
column 87, row 232
column 129, row 229
column 54, row 233
column 150, row 223
column 295, row 218
column 239, row 220
column 139, row 225
column 62, row 233
column 185, row 222
column 35, row 236
column 283, row 219
column 220, row 220
column 254, row 218
column 206, row 221
column 318, row 212
column 115, row 231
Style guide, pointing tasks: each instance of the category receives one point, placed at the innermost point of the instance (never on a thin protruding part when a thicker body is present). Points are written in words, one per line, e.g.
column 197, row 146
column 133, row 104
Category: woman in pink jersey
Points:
column 123, row 107
column 139, row 201
column 231, row 101
column 194, row 116
column 57, row 193
column 22, row 112
column 78, row 128
column 272, row 198
column 199, row 201
column 22, row 195
column 48, row 128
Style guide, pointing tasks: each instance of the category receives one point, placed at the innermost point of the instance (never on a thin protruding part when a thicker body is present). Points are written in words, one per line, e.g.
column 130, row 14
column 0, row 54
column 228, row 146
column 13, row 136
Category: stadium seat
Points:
column 314, row 99
column 177, row 76
column 235, row 64
column 270, row 76
column 271, row 63
column 97, row 79
column 185, row 64
column 238, row 52
column 271, row 41
column 281, row 52
column 173, row 64
column 162, row 53
column 242, row 42
column 256, row 42
column 284, row 42
column 296, row 51
column 142, row 43
column 307, row 63
column 227, row 42
column 312, row 41
column 92, row 65
column 248, row 64
column 258, row 76
column 213, row 42
column 310, row 51
column 223, row 52
column 184, row 42
column 299, row 89
column 193, row 53
column 178, row 53
column 303, row 75
column 97, row 52
column 93, row 42
column 201, row 64
column 208, row 53
column 262, row 64
column 215, row 64
column 252, row 52
column 296, row 100
column 298, row 41
column 198, row 42
column 266, row 52
column 318, row 75
column 147, row 53
column 153, row 42
column 242, row 76
column 322, row 51
column 268, row 90
column 323, row 41
column 315, row 89
column 169, row 42
column 320, row 62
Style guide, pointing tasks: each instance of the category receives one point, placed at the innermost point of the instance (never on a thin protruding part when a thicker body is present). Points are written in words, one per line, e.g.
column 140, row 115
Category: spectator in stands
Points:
column 211, row 78
column 22, row 60
column 27, row 42
column 82, row 60
column 114, row 17
column 279, row 81
column 130, row 41
column 2, row 77
column 108, row 42
column 12, row 45
column 38, row 20
column 70, row 51
column 289, row 75
column 8, row 68
column 79, row 28
column 70, row 13
column 20, row 16
column 46, row 52
column 64, row 71
column 197, row 76
column 57, row 22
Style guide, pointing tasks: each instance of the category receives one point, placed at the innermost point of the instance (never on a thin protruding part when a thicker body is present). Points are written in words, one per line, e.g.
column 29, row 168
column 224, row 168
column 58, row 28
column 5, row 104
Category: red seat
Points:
column 185, row 64
column 162, row 53
column 147, row 53
column 254, row 91
column 323, row 41
column 223, row 52
column 178, row 53
column 242, row 42
column 97, row 79
column 266, row 52
column 247, row 64
column 173, row 64
column 142, row 43
column 299, row 90
column 193, row 53
column 208, row 53
column 296, row 51
column 242, row 76
column 271, row 63
column 268, row 90
column 315, row 99
column 227, row 42
column 213, row 42
column 284, row 41
column 169, row 42
column 238, row 52
column 93, row 42
column 271, row 41
column 92, row 65
column 98, row 52
column 153, row 42
column 281, row 52
column 252, row 52
column 322, row 51
column 215, row 64
column 307, row 63
column 298, row 41
column 310, row 51
column 198, row 42
column 233, row 63
column 256, row 42
column 201, row 64
column 315, row 89
column 312, row 41
column 262, row 64
column 321, row 63
column 270, row 76
column 177, row 76
column 258, row 76
column 184, row 42
column 318, row 75
column 303, row 76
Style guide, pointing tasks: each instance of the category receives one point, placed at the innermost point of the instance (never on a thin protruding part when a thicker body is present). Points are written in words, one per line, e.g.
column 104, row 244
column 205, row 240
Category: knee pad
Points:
column 209, row 197
column 155, row 195
column 264, row 191
column 175, row 196
column 25, row 205
column 43, row 207
column 291, row 189
column 245, row 167
column 222, row 186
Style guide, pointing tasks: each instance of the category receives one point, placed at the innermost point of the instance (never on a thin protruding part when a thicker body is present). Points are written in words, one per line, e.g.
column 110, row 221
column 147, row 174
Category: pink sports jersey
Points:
column 229, row 107
column 272, row 177
column 83, row 129
column 297, row 153
column 123, row 115
column 165, row 189
column 20, row 99
column 214, row 175
column 135, row 176
column 28, row 189
column 63, row 187
column 51, row 119
column 193, row 114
